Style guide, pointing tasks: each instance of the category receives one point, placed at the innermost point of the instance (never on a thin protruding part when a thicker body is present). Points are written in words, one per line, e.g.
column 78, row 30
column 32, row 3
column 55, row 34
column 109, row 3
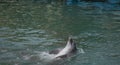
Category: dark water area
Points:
column 29, row 27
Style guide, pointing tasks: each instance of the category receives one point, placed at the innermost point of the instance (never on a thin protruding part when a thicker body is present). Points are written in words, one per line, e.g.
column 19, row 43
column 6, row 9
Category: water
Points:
column 27, row 29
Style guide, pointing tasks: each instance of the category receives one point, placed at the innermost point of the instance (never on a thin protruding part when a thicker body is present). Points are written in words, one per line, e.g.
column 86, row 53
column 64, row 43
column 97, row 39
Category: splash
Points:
column 46, row 57
column 81, row 50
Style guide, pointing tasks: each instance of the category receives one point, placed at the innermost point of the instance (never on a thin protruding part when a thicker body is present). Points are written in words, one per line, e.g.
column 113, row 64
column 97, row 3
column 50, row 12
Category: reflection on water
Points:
column 29, row 27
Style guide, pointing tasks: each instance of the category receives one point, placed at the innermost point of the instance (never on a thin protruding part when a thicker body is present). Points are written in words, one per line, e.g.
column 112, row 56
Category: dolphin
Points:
column 67, row 51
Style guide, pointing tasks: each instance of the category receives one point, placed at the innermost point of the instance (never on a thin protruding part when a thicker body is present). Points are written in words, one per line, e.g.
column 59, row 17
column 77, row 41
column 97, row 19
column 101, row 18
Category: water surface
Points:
column 27, row 28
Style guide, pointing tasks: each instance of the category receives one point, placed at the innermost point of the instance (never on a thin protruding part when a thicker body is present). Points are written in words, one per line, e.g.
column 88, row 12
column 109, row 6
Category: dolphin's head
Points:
column 71, row 44
column 70, row 48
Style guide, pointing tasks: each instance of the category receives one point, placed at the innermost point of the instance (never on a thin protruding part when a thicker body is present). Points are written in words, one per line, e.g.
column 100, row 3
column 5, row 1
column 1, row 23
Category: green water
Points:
column 29, row 27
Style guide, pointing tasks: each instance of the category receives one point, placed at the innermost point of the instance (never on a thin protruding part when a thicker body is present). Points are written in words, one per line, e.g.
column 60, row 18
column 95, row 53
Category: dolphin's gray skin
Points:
column 69, row 49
